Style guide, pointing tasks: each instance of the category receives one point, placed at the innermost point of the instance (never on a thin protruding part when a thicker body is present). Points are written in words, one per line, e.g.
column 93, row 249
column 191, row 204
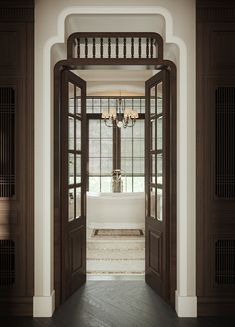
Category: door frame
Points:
column 72, row 64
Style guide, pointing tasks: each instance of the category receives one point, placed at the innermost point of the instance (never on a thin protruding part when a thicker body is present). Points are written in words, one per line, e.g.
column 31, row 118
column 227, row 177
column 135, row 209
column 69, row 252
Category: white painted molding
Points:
column 185, row 306
column 44, row 306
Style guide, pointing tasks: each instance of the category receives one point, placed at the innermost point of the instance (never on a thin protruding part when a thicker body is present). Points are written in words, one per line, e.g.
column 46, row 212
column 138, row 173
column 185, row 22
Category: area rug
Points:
column 117, row 232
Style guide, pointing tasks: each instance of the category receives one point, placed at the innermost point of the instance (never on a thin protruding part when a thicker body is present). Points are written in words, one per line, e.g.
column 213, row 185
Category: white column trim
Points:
column 185, row 306
column 44, row 306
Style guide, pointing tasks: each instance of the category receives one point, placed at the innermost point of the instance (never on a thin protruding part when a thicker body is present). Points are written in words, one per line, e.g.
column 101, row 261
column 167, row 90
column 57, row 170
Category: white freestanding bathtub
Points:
column 115, row 210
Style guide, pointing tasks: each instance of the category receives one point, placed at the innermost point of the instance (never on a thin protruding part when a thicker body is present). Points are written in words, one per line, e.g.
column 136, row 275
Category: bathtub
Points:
column 115, row 210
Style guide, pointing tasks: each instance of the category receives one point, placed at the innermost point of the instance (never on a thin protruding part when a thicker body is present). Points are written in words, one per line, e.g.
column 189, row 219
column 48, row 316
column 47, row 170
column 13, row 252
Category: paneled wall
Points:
column 216, row 157
column 16, row 156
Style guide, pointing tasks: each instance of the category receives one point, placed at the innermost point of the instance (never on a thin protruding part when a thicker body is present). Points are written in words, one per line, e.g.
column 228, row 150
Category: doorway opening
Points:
column 115, row 197
column 90, row 208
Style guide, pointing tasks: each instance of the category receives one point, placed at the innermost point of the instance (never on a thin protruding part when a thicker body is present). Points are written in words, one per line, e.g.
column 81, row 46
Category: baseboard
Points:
column 44, row 306
column 16, row 306
column 185, row 306
column 215, row 307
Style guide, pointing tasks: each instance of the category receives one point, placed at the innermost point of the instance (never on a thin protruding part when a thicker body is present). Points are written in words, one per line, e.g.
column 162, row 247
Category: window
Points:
column 100, row 156
column 114, row 148
column 132, row 156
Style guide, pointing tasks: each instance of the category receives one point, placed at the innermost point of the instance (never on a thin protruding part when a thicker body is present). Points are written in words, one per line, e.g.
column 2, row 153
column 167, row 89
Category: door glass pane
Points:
column 71, row 168
column 78, row 100
column 152, row 101
column 153, row 168
column 78, row 168
column 159, row 204
column 159, row 168
column 78, row 135
column 78, row 202
column 159, row 98
column 71, row 97
column 152, row 202
column 71, row 204
column 71, row 133
column 153, row 135
column 159, row 133
column 156, row 125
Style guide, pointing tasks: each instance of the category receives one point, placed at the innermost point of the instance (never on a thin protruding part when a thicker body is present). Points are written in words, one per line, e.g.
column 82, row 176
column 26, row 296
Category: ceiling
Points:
column 125, row 80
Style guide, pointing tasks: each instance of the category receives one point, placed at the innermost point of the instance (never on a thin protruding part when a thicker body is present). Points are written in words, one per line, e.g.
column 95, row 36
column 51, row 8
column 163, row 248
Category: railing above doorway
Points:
column 117, row 46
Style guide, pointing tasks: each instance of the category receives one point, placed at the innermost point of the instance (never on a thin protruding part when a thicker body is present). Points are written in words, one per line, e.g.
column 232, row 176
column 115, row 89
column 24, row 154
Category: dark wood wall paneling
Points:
column 216, row 157
column 16, row 211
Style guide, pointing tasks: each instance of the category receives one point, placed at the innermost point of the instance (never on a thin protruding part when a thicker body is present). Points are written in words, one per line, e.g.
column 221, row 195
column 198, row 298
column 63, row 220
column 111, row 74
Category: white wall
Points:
column 175, row 20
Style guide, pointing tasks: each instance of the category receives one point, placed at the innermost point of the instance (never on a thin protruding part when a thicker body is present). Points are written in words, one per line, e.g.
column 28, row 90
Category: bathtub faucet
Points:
column 116, row 181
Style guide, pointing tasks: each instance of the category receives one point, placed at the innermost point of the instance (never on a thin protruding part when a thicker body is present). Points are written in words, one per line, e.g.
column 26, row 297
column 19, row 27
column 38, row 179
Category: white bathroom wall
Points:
column 175, row 20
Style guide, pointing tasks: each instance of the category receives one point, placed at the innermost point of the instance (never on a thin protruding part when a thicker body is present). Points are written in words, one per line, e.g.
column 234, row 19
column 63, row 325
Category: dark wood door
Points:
column 73, row 183
column 157, row 172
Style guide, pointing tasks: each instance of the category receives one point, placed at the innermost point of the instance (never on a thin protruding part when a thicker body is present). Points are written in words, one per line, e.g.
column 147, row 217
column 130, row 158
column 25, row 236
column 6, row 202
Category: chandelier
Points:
column 120, row 116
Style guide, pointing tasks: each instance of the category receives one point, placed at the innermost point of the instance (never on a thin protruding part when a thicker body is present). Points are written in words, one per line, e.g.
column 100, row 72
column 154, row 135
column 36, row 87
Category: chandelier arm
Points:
column 132, row 123
column 106, row 124
column 126, row 122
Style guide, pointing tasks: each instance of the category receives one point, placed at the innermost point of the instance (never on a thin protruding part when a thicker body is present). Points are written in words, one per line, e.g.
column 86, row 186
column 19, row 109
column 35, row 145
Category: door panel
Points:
column 157, row 172
column 73, row 183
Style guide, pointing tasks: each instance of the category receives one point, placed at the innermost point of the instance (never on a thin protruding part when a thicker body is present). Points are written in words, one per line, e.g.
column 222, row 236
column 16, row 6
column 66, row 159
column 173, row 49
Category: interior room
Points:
column 116, row 183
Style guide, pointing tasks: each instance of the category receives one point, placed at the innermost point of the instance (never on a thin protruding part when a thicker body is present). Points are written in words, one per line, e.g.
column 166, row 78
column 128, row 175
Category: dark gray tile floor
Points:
column 115, row 304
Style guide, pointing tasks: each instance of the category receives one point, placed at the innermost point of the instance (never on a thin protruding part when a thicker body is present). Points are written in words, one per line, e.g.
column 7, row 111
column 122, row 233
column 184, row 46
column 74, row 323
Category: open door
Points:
column 157, row 183
column 73, row 140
